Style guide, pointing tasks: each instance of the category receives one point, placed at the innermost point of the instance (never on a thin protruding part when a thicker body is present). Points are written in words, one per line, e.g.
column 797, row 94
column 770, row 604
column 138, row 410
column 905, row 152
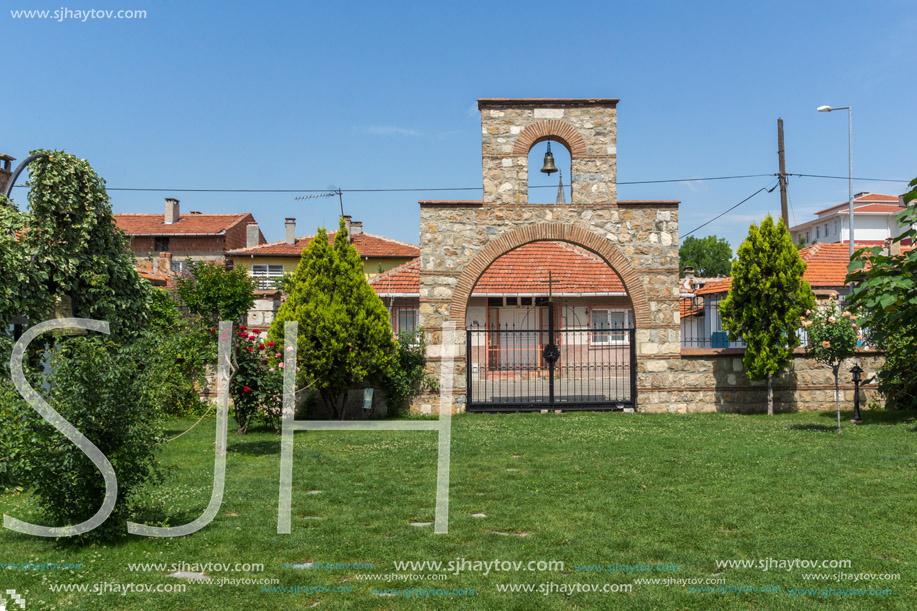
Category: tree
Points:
column 344, row 332
column 886, row 295
column 766, row 301
column 832, row 336
column 711, row 257
column 68, row 247
column 215, row 293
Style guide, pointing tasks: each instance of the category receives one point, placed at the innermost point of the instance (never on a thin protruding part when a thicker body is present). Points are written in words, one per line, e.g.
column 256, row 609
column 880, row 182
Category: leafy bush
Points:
column 102, row 389
column 215, row 293
column 406, row 375
column 257, row 383
column 886, row 296
column 179, row 350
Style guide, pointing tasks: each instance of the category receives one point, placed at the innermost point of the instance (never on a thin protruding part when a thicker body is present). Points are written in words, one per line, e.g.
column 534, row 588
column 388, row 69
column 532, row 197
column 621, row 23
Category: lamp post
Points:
column 25, row 163
column 849, row 110
column 856, row 371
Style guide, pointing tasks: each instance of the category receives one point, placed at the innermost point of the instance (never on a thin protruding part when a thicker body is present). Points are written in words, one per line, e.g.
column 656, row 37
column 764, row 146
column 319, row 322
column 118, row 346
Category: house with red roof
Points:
column 269, row 261
column 171, row 239
column 701, row 326
column 874, row 221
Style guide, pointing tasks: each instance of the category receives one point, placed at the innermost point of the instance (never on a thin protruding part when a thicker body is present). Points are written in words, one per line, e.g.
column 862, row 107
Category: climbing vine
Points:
column 67, row 246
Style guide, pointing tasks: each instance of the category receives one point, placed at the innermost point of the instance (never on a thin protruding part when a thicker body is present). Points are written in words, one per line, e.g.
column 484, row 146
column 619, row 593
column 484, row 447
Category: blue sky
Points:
column 382, row 95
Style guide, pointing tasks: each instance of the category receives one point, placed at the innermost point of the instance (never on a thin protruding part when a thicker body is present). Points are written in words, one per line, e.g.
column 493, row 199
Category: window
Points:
column 407, row 320
column 180, row 267
column 267, row 275
column 161, row 244
column 610, row 326
column 817, row 232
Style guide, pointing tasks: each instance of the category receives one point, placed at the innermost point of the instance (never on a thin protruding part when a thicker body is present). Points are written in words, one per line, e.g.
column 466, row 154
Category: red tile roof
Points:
column 523, row 270
column 826, row 267
column 367, row 245
column 866, row 198
column 401, row 280
column 894, row 208
column 200, row 224
column 688, row 308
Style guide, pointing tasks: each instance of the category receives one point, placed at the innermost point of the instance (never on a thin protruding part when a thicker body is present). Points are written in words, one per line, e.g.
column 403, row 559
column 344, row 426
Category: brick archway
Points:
column 556, row 232
column 547, row 130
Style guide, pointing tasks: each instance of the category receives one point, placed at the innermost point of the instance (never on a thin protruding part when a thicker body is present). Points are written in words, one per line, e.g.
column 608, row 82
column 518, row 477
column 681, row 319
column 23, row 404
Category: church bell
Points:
column 549, row 167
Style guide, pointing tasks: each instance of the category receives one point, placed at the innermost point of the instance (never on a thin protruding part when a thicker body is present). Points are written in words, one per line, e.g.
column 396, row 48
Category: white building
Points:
column 874, row 217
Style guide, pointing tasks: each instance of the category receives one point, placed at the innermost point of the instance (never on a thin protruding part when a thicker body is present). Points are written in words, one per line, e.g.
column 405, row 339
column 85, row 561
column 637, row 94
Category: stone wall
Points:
column 707, row 381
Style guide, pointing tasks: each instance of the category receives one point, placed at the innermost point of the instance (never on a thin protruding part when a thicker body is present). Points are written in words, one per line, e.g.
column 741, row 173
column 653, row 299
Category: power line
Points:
column 725, row 212
column 848, row 178
column 415, row 189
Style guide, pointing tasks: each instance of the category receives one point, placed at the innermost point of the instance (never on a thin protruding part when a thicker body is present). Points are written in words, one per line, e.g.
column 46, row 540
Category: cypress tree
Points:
column 344, row 332
column 766, row 301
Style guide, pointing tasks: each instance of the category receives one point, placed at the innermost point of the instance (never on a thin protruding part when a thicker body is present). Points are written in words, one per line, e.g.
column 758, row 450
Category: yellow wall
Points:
column 370, row 265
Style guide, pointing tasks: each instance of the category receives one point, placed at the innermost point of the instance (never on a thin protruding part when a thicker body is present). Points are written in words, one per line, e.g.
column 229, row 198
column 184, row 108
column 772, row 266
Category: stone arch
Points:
column 556, row 232
column 561, row 131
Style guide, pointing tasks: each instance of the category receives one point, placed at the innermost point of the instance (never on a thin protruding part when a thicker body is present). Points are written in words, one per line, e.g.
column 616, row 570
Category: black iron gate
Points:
column 511, row 369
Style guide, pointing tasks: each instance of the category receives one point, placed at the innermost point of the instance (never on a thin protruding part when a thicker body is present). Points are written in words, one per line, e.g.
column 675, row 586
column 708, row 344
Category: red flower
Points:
column 249, row 348
column 255, row 331
column 246, row 389
column 243, row 327
column 261, row 347
column 271, row 344
column 213, row 330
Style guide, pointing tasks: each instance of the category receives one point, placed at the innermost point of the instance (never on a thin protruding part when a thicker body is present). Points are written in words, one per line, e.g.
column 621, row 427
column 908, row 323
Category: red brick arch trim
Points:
column 557, row 232
column 547, row 130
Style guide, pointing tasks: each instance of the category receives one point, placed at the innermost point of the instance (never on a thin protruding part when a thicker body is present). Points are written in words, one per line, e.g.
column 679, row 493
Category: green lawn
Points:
column 584, row 489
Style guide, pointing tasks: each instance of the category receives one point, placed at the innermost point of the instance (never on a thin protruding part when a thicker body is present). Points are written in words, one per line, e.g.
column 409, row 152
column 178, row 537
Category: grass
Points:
column 585, row 489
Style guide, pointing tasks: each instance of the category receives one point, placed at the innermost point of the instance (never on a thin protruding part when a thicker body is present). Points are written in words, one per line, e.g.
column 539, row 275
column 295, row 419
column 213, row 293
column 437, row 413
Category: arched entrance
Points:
column 549, row 325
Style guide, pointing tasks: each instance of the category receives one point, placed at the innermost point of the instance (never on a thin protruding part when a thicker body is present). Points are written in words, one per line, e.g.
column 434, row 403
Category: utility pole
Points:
column 782, row 158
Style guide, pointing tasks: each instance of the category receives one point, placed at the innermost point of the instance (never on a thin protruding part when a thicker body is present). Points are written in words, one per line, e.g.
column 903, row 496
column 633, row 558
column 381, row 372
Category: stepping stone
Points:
column 511, row 469
column 479, row 515
column 314, row 492
column 187, row 575
column 420, row 523
column 517, row 455
column 498, row 532
column 311, row 517
column 232, row 515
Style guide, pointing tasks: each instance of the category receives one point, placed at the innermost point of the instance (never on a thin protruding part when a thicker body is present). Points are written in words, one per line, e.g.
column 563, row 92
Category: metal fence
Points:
column 507, row 369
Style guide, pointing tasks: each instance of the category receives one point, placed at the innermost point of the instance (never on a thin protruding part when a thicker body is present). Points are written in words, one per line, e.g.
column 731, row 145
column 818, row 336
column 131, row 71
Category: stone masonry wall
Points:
column 717, row 382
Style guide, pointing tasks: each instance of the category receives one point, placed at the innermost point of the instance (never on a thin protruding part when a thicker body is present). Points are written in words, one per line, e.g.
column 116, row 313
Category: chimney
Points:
column 290, row 224
column 356, row 228
column 6, row 171
column 171, row 210
column 348, row 223
column 252, row 235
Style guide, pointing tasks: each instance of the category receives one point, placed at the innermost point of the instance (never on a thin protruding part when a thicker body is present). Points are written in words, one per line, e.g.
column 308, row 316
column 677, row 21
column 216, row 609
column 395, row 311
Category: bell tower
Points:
column 586, row 127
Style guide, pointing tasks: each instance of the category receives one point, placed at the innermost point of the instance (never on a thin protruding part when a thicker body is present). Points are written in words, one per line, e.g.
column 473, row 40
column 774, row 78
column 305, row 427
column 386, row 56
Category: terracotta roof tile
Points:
column 153, row 224
column 367, row 245
column 523, row 270
column 866, row 198
column 402, row 280
column 826, row 267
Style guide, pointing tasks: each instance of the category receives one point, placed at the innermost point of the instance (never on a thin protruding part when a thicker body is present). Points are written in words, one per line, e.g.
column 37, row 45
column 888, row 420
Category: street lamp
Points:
column 25, row 163
column 849, row 110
